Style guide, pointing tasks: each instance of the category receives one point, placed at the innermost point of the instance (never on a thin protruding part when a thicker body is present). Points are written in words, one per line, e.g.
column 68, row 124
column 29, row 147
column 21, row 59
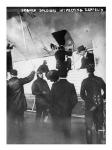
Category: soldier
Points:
column 91, row 93
column 44, row 67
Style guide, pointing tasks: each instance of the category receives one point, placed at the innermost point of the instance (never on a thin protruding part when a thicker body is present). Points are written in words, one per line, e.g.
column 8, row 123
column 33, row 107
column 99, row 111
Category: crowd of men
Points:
column 60, row 100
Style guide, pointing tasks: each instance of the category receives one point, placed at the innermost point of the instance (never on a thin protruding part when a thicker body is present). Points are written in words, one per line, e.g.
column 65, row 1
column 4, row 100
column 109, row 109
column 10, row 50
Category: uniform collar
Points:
column 62, row 78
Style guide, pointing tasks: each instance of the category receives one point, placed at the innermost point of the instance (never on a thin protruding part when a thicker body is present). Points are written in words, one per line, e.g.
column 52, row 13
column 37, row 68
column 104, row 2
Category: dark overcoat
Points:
column 16, row 101
column 63, row 98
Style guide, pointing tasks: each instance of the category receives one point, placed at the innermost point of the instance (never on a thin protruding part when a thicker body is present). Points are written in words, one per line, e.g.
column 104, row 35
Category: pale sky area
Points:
column 84, row 27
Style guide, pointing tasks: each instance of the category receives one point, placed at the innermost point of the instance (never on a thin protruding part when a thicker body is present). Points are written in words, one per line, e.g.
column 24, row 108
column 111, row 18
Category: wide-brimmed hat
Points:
column 81, row 49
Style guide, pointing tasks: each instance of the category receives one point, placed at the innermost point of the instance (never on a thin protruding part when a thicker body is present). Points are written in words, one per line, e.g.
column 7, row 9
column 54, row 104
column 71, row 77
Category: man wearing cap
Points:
column 44, row 67
column 16, row 101
column 41, row 90
column 91, row 93
column 63, row 99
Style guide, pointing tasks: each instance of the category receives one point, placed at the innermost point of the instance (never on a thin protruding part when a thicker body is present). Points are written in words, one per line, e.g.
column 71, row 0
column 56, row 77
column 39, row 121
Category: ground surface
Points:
column 34, row 133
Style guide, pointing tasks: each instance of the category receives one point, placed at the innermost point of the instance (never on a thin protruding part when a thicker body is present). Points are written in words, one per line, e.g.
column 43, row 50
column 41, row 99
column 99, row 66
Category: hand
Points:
column 33, row 72
column 92, row 108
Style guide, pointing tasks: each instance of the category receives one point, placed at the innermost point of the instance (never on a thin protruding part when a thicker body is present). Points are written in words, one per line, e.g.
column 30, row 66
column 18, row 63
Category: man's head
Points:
column 39, row 74
column 13, row 72
column 61, row 47
column 63, row 72
column 90, row 68
column 53, row 75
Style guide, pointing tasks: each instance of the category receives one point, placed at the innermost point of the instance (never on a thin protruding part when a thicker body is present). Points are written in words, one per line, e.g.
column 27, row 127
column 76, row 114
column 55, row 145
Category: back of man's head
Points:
column 14, row 72
column 63, row 73
column 90, row 68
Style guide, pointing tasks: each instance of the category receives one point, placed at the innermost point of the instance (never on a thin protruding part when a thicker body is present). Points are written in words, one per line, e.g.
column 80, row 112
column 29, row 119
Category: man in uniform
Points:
column 44, row 67
column 93, row 92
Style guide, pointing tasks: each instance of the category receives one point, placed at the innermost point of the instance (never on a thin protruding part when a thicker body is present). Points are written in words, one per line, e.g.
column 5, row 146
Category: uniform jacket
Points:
column 91, row 87
column 16, row 101
column 63, row 98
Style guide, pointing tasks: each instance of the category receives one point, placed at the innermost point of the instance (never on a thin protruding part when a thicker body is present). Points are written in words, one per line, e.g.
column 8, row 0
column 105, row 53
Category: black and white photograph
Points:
column 56, row 75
